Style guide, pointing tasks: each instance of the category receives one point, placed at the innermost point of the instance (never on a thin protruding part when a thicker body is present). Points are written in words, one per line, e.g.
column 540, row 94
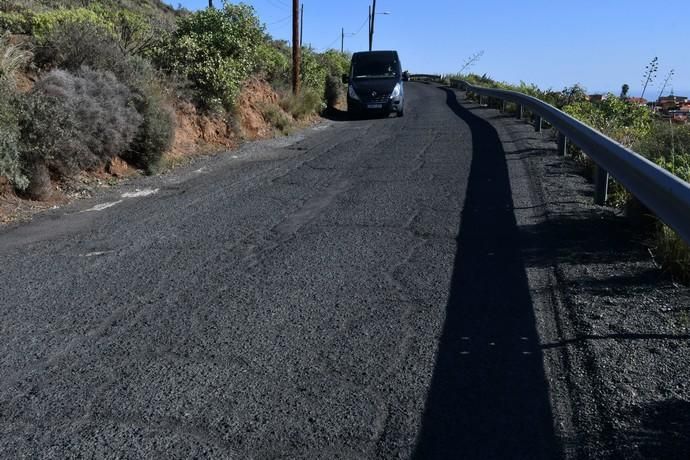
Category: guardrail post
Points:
column 537, row 123
column 601, row 185
column 520, row 112
column 562, row 144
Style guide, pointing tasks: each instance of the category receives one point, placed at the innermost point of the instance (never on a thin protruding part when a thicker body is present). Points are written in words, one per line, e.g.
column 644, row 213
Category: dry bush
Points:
column 47, row 140
column 333, row 91
column 308, row 102
column 103, row 122
column 276, row 118
column 73, row 45
column 10, row 161
column 12, row 57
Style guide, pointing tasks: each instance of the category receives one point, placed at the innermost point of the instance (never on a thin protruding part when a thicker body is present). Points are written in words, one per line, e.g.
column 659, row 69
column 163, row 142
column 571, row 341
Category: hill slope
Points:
column 150, row 8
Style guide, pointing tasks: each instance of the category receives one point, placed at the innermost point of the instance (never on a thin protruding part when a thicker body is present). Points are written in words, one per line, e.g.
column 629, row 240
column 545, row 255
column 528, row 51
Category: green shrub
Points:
column 43, row 23
column 665, row 140
column 273, row 62
column 157, row 130
column 104, row 119
column 152, row 10
column 128, row 32
column 335, row 65
column 16, row 23
column 135, row 34
column 313, row 72
column 216, row 49
column 569, row 95
column 623, row 121
column 71, row 45
column 335, row 62
column 677, row 163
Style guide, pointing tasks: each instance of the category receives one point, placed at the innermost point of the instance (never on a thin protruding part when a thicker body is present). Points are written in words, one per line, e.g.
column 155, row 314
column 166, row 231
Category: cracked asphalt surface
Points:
column 355, row 292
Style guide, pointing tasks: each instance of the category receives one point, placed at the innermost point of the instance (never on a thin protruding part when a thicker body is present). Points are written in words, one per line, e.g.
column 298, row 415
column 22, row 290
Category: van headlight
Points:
column 352, row 93
column 397, row 90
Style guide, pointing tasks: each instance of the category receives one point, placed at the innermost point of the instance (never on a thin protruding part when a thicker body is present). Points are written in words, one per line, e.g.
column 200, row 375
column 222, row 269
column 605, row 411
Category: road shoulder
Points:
column 613, row 328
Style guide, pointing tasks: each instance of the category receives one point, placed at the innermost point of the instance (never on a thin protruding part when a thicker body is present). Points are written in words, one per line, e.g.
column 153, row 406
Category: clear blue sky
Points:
column 553, row 43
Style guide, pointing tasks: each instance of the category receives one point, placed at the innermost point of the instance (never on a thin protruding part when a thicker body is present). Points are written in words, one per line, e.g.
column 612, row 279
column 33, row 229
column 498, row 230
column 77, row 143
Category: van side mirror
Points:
column 346, row 79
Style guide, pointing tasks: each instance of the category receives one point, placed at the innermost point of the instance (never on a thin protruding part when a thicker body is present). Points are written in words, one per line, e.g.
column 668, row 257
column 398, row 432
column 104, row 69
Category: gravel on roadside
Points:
column 615, row 329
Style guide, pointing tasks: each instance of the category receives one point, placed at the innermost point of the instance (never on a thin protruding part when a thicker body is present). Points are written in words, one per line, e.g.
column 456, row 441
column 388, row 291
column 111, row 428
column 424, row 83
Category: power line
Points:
column 361, row 27
column 330, row 45
column 277, row 4
column 280, row 20
column 349, row 34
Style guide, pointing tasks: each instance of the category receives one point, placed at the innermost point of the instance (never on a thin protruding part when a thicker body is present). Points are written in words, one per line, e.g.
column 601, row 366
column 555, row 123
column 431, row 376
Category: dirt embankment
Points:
column 196, row 133
column 199, row 133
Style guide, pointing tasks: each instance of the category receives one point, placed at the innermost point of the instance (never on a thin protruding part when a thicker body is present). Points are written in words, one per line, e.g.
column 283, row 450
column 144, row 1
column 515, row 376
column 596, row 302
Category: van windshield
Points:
column 374, row 66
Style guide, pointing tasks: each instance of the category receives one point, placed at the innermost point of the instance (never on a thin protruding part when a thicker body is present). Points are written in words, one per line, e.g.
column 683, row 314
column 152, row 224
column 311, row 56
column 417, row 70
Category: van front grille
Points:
column 380, row 98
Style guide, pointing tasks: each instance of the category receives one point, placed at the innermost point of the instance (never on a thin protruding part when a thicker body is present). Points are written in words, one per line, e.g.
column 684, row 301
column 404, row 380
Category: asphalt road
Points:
column 356, row 292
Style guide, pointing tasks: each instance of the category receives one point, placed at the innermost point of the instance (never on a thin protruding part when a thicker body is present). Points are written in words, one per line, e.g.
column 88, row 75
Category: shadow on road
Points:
column 581, row 240
column 335, row 114
column 665, row 431
column 488, row 397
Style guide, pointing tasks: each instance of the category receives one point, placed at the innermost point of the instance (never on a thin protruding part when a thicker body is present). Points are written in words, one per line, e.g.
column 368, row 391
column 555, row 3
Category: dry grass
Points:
column 307, row 103
column 277, row 118
column 673, row 254
column 13, row 57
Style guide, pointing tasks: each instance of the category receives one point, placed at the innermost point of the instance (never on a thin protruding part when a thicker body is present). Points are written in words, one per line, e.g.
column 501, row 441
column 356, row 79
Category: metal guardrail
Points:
column 663, row 193
column 423, row 76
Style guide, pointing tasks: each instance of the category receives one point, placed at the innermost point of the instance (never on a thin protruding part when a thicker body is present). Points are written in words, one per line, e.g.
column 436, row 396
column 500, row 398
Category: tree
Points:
column 668, row 78
column 649, row 74
column 573, row 94
column 624, row 91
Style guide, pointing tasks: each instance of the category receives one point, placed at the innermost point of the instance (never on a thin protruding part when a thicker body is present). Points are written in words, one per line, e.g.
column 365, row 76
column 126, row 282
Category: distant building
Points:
column 676, row 100
column 679, row 116
column 653, row 107
column 597, row 97
column 637, row 100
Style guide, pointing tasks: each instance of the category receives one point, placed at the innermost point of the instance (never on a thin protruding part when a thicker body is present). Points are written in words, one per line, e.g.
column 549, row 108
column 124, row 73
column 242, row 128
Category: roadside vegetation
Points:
column 85, row 83
column 660, row 140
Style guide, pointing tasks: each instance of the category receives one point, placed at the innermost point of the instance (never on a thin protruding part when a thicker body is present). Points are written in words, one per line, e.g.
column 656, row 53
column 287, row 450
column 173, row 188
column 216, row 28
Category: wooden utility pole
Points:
column 342, row 40
column 372, row 14
column 295, row 48
column 369, row 27
column 210, row 4
column 301, row 25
